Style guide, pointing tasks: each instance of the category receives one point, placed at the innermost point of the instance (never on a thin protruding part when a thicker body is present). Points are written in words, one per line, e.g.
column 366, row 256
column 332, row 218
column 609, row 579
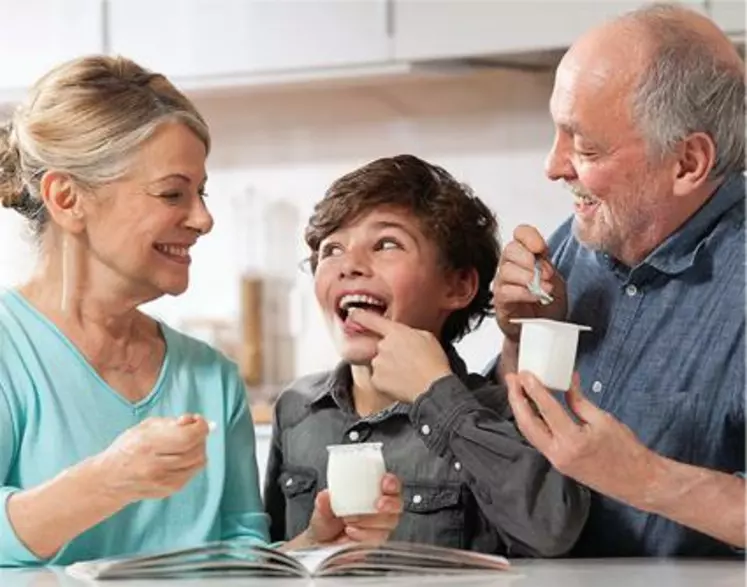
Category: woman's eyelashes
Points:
column 176, row 195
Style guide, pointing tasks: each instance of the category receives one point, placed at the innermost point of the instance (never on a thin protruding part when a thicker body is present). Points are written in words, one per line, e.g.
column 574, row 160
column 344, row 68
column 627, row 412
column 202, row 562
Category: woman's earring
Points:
column 67, row 269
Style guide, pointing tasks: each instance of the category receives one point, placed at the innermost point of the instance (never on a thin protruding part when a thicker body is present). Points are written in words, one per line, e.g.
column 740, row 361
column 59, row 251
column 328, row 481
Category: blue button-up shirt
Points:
column 666, row 356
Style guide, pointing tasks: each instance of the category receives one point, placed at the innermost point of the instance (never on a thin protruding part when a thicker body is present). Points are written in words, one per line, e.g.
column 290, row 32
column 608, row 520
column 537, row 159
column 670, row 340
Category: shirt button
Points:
column 597, row 386
column 425, row 429
column 289, row 482
column 417, row 498
column 458, row 466
column 354, row 436
column 631, row 290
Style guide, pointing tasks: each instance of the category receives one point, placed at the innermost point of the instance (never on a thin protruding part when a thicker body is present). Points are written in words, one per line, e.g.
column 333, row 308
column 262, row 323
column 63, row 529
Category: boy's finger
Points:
column 374, row 522
column 372, row 321
column 323, row 505
column 369, row 536
column 390, row 484
column 390, row 505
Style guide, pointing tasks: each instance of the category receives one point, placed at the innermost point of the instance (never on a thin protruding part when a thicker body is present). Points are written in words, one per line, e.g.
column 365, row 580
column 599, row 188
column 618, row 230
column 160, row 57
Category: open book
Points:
column 245, row 558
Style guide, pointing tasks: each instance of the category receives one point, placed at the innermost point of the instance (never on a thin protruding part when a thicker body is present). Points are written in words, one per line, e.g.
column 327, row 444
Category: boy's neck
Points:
column 367, row 400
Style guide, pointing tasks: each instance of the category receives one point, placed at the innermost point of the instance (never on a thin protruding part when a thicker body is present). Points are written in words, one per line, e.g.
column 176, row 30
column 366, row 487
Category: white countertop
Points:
column 525, row 573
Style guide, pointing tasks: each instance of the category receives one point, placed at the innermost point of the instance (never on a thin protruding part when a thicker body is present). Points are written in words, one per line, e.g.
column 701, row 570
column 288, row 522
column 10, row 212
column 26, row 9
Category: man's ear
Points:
column 462, row 288
column 696, row 156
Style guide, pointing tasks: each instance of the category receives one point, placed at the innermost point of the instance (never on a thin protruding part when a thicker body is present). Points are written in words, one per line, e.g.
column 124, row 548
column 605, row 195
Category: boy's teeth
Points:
column 349, row 299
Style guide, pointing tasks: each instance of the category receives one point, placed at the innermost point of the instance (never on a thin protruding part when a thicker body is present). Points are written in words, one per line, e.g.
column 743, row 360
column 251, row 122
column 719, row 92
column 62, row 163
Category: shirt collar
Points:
column 339, row 384
column 680, row 250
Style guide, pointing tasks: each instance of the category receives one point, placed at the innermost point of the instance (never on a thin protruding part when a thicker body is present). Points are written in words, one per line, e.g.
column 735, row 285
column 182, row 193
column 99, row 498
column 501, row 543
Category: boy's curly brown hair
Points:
column 463, row 228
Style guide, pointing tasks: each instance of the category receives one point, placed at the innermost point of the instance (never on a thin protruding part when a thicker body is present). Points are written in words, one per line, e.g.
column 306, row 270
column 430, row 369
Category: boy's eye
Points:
column 388, row 243
column 330, row 250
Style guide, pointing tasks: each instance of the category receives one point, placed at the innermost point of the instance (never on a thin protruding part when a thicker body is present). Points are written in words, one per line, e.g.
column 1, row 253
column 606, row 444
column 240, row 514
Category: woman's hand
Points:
column 326, row 528
column 154, row 459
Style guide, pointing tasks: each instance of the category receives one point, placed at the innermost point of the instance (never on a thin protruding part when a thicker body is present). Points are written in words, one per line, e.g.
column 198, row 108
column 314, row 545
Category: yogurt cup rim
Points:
column 359, row 447
column 549, row 322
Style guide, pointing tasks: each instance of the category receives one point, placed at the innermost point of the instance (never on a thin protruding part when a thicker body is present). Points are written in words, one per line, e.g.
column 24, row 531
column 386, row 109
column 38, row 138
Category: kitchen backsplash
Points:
column 274, row 156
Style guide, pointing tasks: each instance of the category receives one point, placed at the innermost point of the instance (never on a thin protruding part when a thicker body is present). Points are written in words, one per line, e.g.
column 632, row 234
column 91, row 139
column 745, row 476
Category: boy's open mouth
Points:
column 363, row 301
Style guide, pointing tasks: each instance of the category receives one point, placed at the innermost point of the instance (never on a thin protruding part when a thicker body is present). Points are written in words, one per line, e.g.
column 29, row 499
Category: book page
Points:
column 408, row 557
column 246, row 556
column 314, row 558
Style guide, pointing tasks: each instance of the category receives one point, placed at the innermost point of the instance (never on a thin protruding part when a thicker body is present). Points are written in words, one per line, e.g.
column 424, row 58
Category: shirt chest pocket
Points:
column 432, row 514
column 299, row 487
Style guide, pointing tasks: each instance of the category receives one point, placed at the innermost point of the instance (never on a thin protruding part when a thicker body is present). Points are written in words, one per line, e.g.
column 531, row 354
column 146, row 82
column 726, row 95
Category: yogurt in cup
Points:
column 354, row 474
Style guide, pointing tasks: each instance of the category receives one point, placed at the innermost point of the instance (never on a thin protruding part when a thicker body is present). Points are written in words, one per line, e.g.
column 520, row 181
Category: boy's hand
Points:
column 376, row 528
column 408, row 361
column 326, row 528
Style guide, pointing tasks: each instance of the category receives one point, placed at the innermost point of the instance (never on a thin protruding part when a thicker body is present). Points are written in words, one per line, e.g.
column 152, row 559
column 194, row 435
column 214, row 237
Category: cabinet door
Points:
column 291, row 34
column 40, row 34
column 194, row 38
column 428, row 29
column 728, row 14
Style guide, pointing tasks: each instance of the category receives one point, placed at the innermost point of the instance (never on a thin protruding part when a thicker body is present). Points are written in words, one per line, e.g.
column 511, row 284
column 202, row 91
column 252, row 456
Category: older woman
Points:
column 118, row 434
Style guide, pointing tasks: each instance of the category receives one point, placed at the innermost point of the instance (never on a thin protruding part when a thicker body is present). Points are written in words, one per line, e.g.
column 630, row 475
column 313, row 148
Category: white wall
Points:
column 275, row 154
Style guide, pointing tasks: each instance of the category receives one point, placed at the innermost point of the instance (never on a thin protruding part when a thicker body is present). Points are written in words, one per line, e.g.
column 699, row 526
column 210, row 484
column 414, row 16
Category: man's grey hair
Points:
column 688, row 88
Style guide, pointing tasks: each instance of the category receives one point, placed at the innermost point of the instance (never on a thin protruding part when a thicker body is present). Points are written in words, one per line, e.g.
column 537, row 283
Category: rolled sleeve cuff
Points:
column 434, row 412
column 13, row 552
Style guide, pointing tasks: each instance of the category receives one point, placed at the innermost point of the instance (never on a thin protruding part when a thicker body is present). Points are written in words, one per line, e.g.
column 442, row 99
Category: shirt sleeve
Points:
column 242, row 514
column 273, row 494
column 538, row 511
column 13, row 553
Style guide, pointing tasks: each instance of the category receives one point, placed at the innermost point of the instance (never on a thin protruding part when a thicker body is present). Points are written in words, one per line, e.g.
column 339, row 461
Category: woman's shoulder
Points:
column 11, row 324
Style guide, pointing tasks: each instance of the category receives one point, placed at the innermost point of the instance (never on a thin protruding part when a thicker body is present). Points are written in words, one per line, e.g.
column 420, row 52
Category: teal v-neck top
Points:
column 55, row 411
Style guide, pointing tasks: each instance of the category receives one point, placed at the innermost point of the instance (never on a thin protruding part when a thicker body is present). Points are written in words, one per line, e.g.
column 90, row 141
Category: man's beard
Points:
column 606, row 233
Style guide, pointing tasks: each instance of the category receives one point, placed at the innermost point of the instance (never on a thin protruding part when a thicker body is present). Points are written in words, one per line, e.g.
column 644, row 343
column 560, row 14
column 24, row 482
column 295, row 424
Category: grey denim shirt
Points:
column 469, row 479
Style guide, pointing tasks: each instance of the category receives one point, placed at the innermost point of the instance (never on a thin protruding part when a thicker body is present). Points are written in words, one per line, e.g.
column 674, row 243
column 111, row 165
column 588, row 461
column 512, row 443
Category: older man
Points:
column 649, row 112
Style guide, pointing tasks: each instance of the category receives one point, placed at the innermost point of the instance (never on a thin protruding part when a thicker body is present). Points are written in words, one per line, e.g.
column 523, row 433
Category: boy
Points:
column 403, row 256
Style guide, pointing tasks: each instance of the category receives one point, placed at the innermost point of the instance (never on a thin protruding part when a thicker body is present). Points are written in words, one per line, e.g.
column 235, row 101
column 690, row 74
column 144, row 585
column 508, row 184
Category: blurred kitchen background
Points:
column 299, row 92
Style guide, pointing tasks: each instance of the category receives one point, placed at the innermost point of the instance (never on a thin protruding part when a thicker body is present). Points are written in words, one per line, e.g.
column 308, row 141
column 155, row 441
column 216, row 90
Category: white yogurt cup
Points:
column 354, row 473
column 547, row 349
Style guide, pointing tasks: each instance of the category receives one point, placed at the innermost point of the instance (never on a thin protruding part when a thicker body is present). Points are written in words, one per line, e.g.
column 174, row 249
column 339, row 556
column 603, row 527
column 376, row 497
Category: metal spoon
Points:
column 534, row 286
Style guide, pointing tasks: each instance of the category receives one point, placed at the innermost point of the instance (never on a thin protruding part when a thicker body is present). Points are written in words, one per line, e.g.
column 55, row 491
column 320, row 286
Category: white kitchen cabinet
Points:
column 432, row 29
column 39, row 34
column 197, row 38
column 728, row 14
